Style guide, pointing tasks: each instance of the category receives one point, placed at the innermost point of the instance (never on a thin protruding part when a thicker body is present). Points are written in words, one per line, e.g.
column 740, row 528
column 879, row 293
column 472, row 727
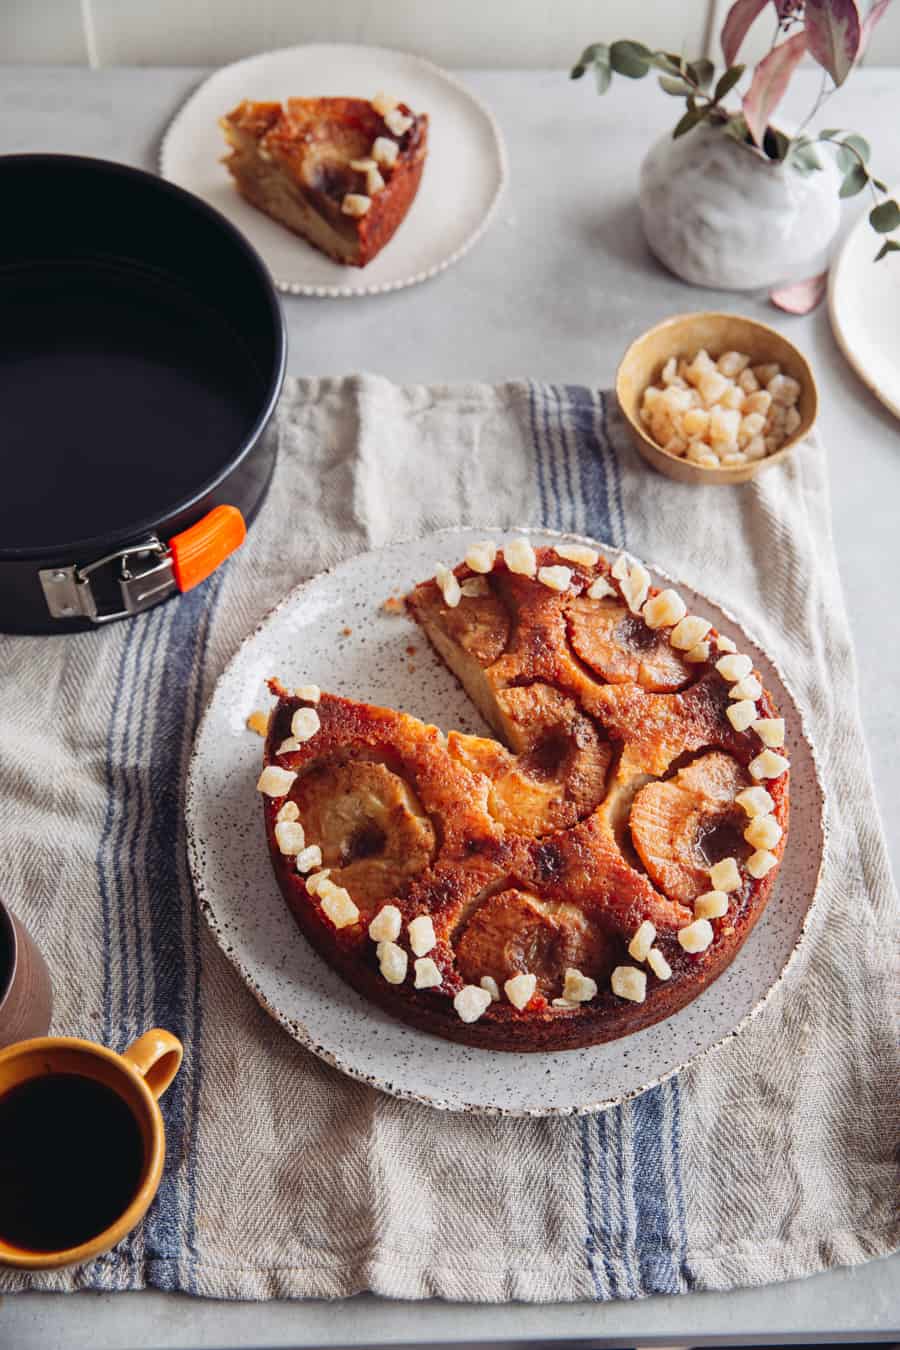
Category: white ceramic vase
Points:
column 719, row 214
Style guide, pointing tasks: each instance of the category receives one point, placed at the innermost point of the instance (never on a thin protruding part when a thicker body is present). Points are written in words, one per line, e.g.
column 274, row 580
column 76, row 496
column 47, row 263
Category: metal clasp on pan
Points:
column 144, row 573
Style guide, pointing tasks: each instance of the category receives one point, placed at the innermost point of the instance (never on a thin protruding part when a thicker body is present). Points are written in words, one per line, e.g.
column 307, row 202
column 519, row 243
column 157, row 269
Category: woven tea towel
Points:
column 771, row 1158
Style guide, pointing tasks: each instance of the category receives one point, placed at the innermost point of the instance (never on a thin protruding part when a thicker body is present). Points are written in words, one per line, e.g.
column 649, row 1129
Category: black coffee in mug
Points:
column 71, row 1158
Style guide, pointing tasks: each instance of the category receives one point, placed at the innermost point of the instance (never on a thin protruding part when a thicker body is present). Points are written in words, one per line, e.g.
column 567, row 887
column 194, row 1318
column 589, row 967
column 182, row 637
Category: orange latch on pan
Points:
column 146, row 572
column 198, row 551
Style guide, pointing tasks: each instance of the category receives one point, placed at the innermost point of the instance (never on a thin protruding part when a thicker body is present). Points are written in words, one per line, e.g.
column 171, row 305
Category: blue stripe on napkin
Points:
column 634, row 1239
column 147, row 904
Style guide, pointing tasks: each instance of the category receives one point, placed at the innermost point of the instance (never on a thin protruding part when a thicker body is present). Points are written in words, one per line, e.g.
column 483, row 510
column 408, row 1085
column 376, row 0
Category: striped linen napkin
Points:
column 770, row 1159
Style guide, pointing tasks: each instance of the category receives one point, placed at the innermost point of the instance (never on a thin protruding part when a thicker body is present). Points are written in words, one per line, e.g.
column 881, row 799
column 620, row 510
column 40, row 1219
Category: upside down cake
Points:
column 585, row 874
column 340, row 172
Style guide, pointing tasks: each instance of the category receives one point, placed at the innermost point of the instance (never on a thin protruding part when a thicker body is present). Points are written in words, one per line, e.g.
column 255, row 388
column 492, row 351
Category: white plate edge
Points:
column 840, row 337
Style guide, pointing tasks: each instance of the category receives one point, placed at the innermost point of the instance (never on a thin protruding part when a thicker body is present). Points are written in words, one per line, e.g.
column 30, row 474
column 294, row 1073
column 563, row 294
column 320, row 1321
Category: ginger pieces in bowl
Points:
column 715, row 398
column 721, row 412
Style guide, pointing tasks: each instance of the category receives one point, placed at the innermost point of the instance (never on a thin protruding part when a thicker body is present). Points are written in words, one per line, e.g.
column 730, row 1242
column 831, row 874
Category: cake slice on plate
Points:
column 340, row 172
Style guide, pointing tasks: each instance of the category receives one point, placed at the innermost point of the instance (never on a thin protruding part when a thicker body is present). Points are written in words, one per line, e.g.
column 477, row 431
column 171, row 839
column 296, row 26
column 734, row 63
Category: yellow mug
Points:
column 35, row 1073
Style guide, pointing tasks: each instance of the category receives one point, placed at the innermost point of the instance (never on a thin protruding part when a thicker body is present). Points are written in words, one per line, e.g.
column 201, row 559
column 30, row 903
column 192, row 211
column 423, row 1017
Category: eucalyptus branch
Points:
column 853, row 158
column 824, row 94
column 677, row 76
column 832, row 32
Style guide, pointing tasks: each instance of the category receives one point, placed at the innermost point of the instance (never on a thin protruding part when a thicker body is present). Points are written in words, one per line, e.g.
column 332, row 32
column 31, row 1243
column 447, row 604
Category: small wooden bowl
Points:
column 684, row 335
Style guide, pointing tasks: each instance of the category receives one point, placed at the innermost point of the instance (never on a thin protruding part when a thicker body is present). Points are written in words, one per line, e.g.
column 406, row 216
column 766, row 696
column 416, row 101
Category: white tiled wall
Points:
column 50, row 31
column 537, row 33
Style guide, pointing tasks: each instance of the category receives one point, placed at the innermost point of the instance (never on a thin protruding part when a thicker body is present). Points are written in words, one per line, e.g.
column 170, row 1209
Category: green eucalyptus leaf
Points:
column 589, row 55
column 701, row 71
column 596, row 52
column 830, row 134
column 667, row 64
column 602, row 75
column 846, row 155
column 885, row 216
column 688, row 121
column 727, row 81
column 631, row 59
column 859, row 144
column 854, row 180
column 674, row 86
column 802, row 156
column 889, row 246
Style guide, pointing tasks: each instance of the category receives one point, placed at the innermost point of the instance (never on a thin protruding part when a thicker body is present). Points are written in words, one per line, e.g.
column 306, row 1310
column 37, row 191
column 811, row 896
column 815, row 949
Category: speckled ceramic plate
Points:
column 334, row 631
column 461, row 185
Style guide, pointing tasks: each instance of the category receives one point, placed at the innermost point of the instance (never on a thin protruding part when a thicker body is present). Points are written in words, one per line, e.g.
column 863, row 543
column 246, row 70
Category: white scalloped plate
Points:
column 305, row 639
column 864, row 308
column 461, row 185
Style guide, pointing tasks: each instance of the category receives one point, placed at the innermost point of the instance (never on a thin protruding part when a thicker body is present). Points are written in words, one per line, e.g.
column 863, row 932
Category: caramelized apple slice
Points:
column 559, row 772
column 479, row 754
column 657, row 728
column 369, row 824
column 479, row 624
column 515, row 931
column 556, row 745
column 682, row 826
column 621, row 649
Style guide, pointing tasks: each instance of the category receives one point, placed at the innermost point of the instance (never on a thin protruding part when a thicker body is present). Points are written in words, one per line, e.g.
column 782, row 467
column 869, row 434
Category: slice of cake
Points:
column 340, row 172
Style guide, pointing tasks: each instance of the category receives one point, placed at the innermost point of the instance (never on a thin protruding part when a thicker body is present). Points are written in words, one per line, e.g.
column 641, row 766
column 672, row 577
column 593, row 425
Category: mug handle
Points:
column 157, row 1057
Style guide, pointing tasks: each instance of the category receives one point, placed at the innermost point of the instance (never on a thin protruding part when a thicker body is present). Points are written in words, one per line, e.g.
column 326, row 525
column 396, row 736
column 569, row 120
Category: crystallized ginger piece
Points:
column 763, row 832
column 689, row 632
column 697, row 936
column 629, row 983
column 663, row 610
column 643, row 940
column 471, row 1003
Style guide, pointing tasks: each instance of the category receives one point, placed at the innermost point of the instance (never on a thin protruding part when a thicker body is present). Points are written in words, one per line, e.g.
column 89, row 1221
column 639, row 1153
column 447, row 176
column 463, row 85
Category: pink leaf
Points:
column 737, row 24
column 834, row 35
column 770, row 80
column 874, row 16
column 801, row 297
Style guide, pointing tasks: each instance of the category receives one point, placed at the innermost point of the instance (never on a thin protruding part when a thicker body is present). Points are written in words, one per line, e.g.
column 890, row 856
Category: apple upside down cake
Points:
column 584, row 873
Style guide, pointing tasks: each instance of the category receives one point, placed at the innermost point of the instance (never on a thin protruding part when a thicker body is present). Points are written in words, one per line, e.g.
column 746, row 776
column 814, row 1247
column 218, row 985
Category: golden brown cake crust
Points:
column 292, row 161
column 509, row 893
